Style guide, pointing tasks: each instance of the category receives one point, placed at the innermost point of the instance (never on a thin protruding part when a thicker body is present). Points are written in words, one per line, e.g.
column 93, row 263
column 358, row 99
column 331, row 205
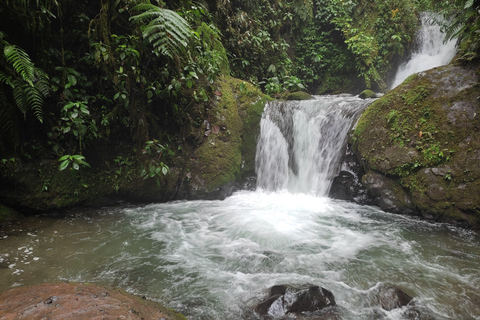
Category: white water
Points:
column 301, row 143
column 216, row 259
column 432, row 51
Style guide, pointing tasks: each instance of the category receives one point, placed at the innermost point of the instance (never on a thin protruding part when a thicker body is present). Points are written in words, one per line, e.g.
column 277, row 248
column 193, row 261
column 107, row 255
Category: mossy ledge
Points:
column 423, row 137
column 208, row 161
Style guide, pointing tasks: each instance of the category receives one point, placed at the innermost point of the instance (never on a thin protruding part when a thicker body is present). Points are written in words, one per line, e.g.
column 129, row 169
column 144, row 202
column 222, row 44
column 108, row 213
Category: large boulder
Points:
column 419, row 146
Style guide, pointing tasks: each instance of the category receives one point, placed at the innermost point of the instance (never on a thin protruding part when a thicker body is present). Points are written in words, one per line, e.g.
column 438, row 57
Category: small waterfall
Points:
column 301, row 142
column 432, row 50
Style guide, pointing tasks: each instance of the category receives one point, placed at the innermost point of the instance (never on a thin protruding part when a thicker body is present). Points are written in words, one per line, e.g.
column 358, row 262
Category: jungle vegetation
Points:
column 76, row 74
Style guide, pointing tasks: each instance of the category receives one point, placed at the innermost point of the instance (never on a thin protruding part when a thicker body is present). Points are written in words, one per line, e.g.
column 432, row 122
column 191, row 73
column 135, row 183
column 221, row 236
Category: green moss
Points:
column 429, row 121
column 7, row 214
column 221, row 157
column 367, row 94
column 298, row 95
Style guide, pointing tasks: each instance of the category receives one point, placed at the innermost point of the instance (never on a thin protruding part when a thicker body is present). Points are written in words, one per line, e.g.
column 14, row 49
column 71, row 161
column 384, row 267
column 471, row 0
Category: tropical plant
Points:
column 75, row 160
column 462, row 21
column 167, row 31
column 29, row 84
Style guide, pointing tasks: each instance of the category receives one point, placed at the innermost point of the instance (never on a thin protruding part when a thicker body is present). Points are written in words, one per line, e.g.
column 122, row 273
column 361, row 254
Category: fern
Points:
column 30, row 85
column 21, row 62
column 167, row 31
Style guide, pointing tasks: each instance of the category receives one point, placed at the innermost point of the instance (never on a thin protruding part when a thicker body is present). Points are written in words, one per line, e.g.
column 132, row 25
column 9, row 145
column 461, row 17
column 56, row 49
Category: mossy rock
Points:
column 297, row 95
column 368, row 94
column 7, row 215
column 425, row 137
column 227, row 152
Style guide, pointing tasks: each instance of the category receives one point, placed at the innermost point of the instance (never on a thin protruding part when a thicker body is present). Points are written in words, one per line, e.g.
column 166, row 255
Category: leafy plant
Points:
column 29, row 84
column 167, row 31
column 154, row 166
column 75, row 160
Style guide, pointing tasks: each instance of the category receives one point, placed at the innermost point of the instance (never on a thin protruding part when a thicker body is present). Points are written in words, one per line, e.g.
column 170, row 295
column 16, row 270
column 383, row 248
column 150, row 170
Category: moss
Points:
column 367, row 94
column 425, row 133
column 230, row 154
column 7, row 214
column 298, row 95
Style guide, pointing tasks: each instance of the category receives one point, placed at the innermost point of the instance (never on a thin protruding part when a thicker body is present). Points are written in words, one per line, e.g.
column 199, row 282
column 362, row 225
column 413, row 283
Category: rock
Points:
column 79, row 301
column 420, row 146
column 286, row 300
column 388, row 195
column 297, row 95
column 388, row 297
column 367, row 94
column 347, row 185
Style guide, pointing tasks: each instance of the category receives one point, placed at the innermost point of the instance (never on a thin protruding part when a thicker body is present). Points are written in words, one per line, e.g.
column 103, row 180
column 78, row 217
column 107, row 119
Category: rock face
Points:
column 286, row 300
column 419, row 146
column 79, row 301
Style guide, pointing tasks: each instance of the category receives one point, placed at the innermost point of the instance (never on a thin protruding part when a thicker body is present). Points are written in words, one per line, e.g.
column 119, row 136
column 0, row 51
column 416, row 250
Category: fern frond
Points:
column 7, row 117
column 167, row 31
column 21, row 62
column 20, row 99
column 42, row 82
column 35, row 101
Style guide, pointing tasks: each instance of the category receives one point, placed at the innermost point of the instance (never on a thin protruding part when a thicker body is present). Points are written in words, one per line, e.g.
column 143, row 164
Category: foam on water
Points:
column 213, row 259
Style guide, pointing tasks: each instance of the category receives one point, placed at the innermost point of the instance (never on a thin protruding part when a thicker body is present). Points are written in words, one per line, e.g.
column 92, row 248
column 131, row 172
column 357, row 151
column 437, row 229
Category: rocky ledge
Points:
column 79, row 301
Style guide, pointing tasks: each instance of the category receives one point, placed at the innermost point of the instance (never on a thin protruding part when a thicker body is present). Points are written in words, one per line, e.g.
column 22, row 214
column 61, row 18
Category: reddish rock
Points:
column 78, row 301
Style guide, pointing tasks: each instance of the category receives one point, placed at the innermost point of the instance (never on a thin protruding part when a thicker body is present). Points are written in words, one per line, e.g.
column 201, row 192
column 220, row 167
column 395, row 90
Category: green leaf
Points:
column 64, row 165
column 71, row 79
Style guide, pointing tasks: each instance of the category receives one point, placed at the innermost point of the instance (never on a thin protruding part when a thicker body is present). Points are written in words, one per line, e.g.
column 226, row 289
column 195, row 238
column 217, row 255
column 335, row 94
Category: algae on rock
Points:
column 424, row 138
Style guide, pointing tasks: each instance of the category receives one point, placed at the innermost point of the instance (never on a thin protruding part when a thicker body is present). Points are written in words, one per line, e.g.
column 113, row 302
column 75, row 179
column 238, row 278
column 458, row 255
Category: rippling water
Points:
column 214, row 259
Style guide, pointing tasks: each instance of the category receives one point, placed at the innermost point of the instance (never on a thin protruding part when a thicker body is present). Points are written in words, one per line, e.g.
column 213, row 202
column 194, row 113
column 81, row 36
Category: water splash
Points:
column 432, row 51
column 301, row 142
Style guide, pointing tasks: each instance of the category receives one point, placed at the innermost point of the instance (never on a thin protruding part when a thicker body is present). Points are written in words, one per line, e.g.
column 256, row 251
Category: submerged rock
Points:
column 388, row 297
column 284, row 300
column 79, row 301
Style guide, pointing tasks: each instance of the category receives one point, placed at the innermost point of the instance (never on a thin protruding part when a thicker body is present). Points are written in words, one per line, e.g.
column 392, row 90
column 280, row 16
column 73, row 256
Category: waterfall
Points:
column 301, row 142
column 432, row 51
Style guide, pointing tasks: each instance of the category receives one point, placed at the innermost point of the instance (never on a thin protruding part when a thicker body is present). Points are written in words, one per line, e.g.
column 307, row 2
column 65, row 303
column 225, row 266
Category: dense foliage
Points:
column 77, row 74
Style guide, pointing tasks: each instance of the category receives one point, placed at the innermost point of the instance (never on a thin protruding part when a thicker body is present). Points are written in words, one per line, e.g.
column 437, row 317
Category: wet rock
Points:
column 286, row 300
column 420, row 146
column 78, row 301
column 347, row 185
column 367, row 94
column 389, row 297
column 388, row 195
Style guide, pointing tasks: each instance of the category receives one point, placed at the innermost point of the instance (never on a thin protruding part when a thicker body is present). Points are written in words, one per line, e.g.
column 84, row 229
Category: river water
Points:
column 215, row 259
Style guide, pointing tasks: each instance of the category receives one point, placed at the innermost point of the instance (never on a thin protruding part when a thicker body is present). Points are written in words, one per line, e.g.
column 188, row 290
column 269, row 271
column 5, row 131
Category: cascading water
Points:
column 432, row 51
column 301, row 143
